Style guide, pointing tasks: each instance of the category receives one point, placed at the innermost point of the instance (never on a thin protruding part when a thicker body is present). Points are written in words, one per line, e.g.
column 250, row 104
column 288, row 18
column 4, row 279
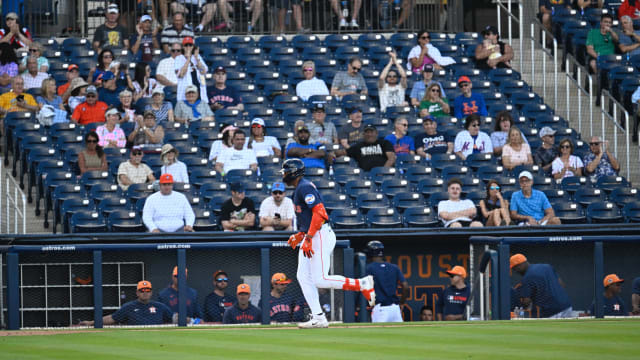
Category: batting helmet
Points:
column 375, row 248
column 292, row 169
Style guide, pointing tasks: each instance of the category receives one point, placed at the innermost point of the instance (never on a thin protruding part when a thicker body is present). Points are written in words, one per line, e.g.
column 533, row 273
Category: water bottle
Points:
column 384, row 15
column 247, row 5
column 331, row 170
column 123, row 297
column 521, row 313
column 345, row 8
column 397, row 5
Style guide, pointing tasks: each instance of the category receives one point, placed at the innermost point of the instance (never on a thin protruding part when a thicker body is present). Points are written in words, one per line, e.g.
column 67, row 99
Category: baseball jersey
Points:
column 136, row 313
column 453, row 301
column 215, row 306
column 612, row 307
column 235, row 315
column 386, row 279
column 226, row 97
column 284, row 309
column 169, row 297
column 305, row 197
column 541, row 285
column 635, row 287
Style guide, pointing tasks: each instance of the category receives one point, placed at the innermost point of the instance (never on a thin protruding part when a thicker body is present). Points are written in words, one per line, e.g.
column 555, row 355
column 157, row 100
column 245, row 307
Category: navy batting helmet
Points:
column 375, row 248
column 292, row 169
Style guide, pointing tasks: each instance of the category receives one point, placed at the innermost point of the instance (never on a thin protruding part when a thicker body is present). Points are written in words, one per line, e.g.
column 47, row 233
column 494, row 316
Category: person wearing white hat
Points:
column 260, row 143
column 547, row 152
column 173, row 166
column 191, row 108
column 162, row 109
column 531, row 207
column 145, row 40
column 110, row 134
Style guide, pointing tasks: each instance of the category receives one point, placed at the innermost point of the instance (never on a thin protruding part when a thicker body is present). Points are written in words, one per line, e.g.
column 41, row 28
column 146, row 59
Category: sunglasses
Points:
column 187, row 45
column 475, row 125
column 356, row 69
column 435, row 90
column 222, row 279
column 308, row 69
column 594, row 143
column 176, row 50
column 91, row 95
column 405, row 125
column 33, row 50
column 277, row 192
column 565, row 147
column 136, row 153
column 494, row 187
column 92, row 141
column 107, row 56
column 425, row 37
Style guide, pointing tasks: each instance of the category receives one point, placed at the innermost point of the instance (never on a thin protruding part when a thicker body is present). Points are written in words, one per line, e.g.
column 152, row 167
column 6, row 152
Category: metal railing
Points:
column 511, row 17
column 16, row 205
column 617, row 110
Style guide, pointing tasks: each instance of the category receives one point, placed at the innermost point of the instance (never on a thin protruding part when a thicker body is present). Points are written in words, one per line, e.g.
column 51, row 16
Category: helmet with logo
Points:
column 375, row 248
column 291, row 170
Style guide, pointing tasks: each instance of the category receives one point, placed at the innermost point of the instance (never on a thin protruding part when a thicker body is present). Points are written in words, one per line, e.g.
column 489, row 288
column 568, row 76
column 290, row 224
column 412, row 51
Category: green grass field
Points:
column 569, row 339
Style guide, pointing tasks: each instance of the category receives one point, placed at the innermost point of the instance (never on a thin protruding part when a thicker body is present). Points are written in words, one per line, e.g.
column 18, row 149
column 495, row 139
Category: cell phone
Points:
column 20, row 97
column 276, row 215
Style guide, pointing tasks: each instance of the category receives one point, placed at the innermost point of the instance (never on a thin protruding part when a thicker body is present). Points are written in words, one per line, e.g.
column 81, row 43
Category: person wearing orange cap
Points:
column 540, row 286
column 169, row 297
column 452, row 303
column 242, row 312
column 191, row 70
column 468, row 103
column 283, row 307
column 142, row 311
column 167, row 210
column 219, row 300
column 613, row 303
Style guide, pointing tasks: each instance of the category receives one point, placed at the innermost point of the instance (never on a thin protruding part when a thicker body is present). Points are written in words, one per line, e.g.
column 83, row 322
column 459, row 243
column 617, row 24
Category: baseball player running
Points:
column 316, row 240
column 387, row 277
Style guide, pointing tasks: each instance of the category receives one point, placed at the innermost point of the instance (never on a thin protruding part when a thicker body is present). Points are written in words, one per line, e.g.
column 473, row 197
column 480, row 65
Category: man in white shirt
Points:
column 32, row 77
column 166, row 73
column 456, row 213
column 236, row 157
column 134, row 171
column 167, row 210
column 277, row 212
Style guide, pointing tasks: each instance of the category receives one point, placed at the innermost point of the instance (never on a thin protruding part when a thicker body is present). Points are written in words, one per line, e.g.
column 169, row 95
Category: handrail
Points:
column 12, row 202
column 512, row 17
column 553, row 53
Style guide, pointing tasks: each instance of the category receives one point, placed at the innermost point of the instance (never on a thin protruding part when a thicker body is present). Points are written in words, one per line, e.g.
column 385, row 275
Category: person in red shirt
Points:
column 630, row 8
column 90, row 111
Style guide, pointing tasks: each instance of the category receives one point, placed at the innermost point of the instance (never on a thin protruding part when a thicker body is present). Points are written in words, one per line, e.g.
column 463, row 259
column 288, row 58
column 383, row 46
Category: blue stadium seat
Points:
column 431, row 185
column 91, row 178
column 420, row 217
column 475, row 161
column 333, row 41
column 270, row 41
column 383, row 218
column 237, row 42
column 458, row 171
column 488, row 172
column 347, row 219
column 435, row 198
column 136, row 192
column 125, row 221
column 395, row 186
column 439, row 161
column 302, row 41
column 569, row 212
column 206, row 220
column 610, row 183
column 371, row 200
column 111, row 204
column 403, row 39
column 381, row 173
column 240, row 175
column 87, row 221
column 416, row 173
column 572, row 183
column 343, row 174
column 353, row 188
column 70, row 206
column 54, row 179
column 624, row 195
column 604, row 212
column 344, row 53
column 333, row 201
column 554, row 195
column 404, row 200
column 631, row 212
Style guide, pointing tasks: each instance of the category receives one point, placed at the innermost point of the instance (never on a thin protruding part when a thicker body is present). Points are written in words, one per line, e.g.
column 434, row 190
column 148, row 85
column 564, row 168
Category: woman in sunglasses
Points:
column 424, row 53
column 92, row 157
column 311, row 85
column 35, row 50
column 259, row 142
column 494, row 208
column 433, row 104
column 566, row 164
column 104, row 63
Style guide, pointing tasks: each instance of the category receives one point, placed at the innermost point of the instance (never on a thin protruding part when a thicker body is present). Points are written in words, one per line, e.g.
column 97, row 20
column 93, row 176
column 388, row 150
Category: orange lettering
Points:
column 421, row 271
column 463, row 259
column 404, row 263
column 444, row 265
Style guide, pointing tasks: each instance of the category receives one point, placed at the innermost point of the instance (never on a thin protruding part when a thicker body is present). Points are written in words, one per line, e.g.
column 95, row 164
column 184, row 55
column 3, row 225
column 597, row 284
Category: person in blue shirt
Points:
column 635, row 297
column 531, row 207
column 218, row 301
column 387, row 277
column 613, row 303
column 312, row 155
column 452, row 303
column 540, row 286
column 110, row 91
column 402, row 143
column 141, row 311
column 468, row 103
column 242, row 312
column 169, row 297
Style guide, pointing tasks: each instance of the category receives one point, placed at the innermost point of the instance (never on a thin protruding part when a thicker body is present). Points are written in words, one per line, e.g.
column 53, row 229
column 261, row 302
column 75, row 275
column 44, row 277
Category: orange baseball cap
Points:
column 612, row 279
column 516, row 260
column 166, row 179
column 187, row 40
column 243, row 288
column 280, row 278
column 175, row 271
column 458, row 270
column 144, row 284
column 464, row 79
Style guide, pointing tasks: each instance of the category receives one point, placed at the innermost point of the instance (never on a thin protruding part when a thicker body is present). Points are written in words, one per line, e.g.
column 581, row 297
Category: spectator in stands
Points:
column 312, row 154
column 261, row 144
column 629, row 8
column 282, row 12
column 92, row 158
column 171, row 164
column 48, row 95
column 165, row 72
column 64, row 90
column 293, row 139
column 504, row 122
column 452, row 304
column 111, row 34
column 629, row 38
column 420, row 87
column 426, row 314
column 209, row 11
column 455, row 212
column 432, row 141
column 191, row 69
column 32, row 77
column 516, row 152
column 353, row 132
column 219, row 300
column 493, row 53
column 133, row 171
column 566, row 164
column 354, row 11
column 541, row 286
column 600, row 161
column 236, row 157
column 163, row 110
column 109, row 92
column 175, row 33
column 35, row 50
column 425, row 53
column 433, row 104
column 110, row 133
column 91, row 110
column 547, row 152
column 635, row 297
column 242, row 312
column 77, row 93
column 238, row 213
column 529, row 206
column 16, row 99
column 191, row 108
column 468, row 103
column 401, row 141
column 169, row 296
column 547, row 9
column 125, row 107
column 472, row 140
column 256, row 9
column 145, row 41
column 8, row 65
column 390, row 91
column 612, row 302
column 105, row 58
column 147, row 132
column 14, row 34
column 142, row 311
column 143, row 82
column 371, row 151
column 311, row 85
column 283, row 306
column 223, row 96
column 494, row 208
column 167, row 210
column 276, row 211
column 601, row 41
column 227, row 131
column 321, row 130
column 407, row 6
column 350, row 81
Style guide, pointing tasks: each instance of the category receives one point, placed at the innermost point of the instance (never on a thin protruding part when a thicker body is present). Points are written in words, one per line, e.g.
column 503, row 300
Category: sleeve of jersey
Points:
column 318, row 217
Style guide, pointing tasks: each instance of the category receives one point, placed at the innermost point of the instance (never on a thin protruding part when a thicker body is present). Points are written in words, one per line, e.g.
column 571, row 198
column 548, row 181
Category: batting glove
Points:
column 307, row 247
column 295, row 239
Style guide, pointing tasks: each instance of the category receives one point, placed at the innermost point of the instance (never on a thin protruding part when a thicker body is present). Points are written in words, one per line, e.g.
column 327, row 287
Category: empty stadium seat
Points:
column 125, row 221
column 87, row 221
column 604, row 212
column 420, row 217
column 347, row 219
column 383, row 218
column 569, row 212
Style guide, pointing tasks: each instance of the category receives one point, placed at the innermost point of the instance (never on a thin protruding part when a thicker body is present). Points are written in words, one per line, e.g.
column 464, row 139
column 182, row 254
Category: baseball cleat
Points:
column 315, row 322
column 366, row 287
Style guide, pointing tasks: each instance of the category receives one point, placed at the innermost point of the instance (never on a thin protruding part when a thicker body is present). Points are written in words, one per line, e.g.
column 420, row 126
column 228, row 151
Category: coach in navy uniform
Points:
column 242, row 312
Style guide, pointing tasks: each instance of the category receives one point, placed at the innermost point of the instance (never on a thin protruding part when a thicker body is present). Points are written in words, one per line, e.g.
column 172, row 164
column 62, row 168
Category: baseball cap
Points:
column 458, row 270
column 187, row 40
column 144, row 284
column 243, row 288
column 463, row 79
column 427, row 68
column 191, row 88
column 303, row 128
column 220, row 69
column 280, row 278
column 11, row 15
column 175, row 268
column 354, row 110
column 157, row 90
column 319, row 107
column 136, row 147
column 546, row 131
column 112, row 111
column 278, row 186
column 490, row 29
column 258, row 121
column 370, row 127
column 516, row 260
column 144, row 18
column 91, row 90
column 113, row 9
column 525, row 174
column 218, row 273
column 237, row 187
column 73, row 67
column 608, row 280
column 166, row 179
column 148, row 113
column 428, row 118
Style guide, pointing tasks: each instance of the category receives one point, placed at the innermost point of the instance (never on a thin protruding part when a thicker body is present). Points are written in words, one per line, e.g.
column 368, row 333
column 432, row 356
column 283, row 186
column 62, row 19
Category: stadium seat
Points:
column 333, row 201
column 87, row 221
column 136, row 192
column 353, row 188
column 347, row 219
column 439, row 161
column 206, row 220
column 572, row 183
column 393, row 187
column 70, row 206
column 631, row 212
column 343, row 174
column 588, row 195
column 610, row 183
column 382, row 173
column 569, row 212
column 455, row 171
column 435, row 198
column 488, row 172
column 91, row 178
column 125, row 221
column 475, row 161
column 420, row 217
column 624, row 195
column 405, row 200
column 604, row 212
column 370, row 200
column 383, row 218
column 211, row 189
column 111, row 204
column 554, row 195
column 334, row 41
column 240, row 175
column 416, row 173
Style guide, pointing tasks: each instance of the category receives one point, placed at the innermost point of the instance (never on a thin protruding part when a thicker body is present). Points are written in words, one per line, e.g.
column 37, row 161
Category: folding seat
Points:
column 475, row 161
column 333, row 201
column 533, row 110
column 111, row 204
column 26, row 141
column 70, row 43
column 208, row 42
column 436, row 197
column 343, row 174
column 214, row 61
column 76, row 53
column 553, row 121
column 393, row 112
column 404, row 200
column 206, row 220
column 240, row 175
column 68, row 207
column 381, row 173
column 604, row 212
column 624, row 195
column 33, row 159
column 402, row 39
column 497, row 76
column 533, row 169
column 439, row 161
column 87, row 221
column 174, row 138
column 631, row 212
column 616, row 74
column 508, row 183
column 312, row 52
column 383, row 218
column 569, row 212
column 475, row 196
column 344, row 53
column 101, row 192
column 11, row 121
column 91, row 178
column 451, row 171
column 200, row 175
column 521, row 98
column 508, row 87
column 403, row 161
column 490, row 171
column 276, row 88
column 215, row 202
column 554, row 195
column 610, row 183
column 245, row 55
column 136, row 192
column 280, row 102
column 333, row 41
column 449, row 49
column 43, row 168
column 125, row 221
column 237, row 42
column 320, row 99
column 572, row 183
column 420, row 217
column 347, row 219
column 415, row 173
column 353, row 188
column 268, row 42
column 302, row 41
